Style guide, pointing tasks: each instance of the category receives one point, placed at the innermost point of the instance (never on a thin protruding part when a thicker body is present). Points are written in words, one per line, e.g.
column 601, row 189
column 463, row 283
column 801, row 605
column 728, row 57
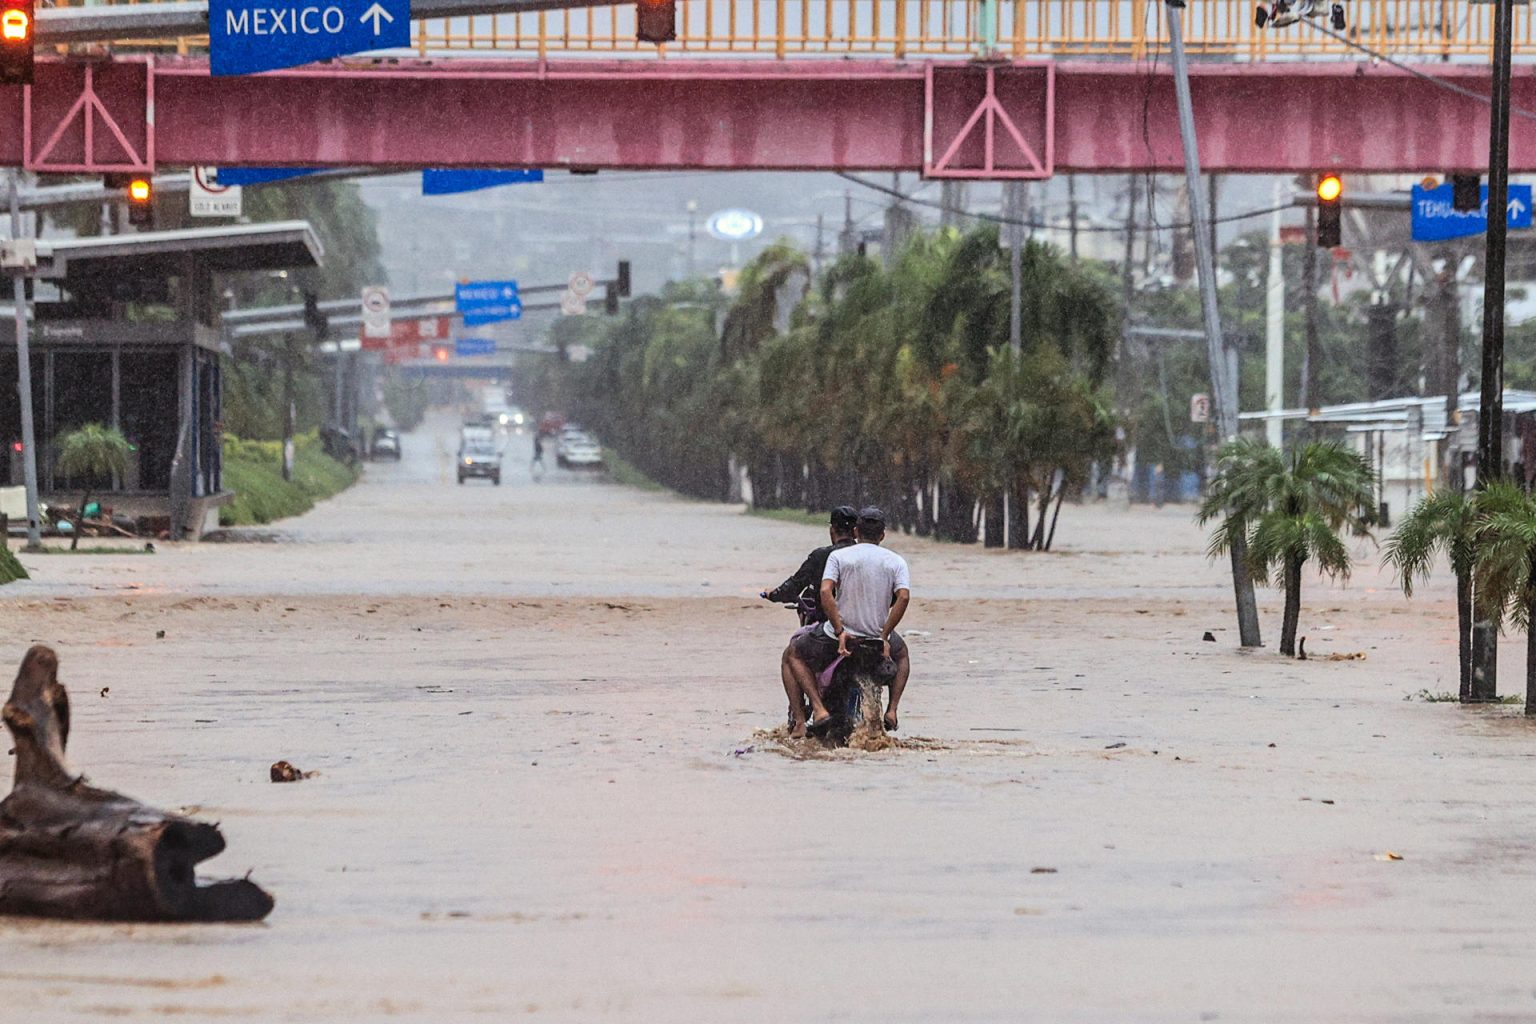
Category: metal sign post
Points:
column 24, row 379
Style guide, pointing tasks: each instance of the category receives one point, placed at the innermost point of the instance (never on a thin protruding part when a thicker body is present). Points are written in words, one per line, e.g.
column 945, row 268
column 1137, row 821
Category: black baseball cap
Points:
column 844, row 517
column 871, row 514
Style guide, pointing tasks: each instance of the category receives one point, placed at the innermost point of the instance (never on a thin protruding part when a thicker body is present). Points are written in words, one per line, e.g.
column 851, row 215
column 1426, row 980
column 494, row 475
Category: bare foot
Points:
column 797, row 730
column 890, row 721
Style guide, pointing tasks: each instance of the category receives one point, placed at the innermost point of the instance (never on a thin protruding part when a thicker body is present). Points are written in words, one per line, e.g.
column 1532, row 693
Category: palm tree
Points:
column 89, row 454
column 1446, row 522
column 1289, row 511
column 1506, row 565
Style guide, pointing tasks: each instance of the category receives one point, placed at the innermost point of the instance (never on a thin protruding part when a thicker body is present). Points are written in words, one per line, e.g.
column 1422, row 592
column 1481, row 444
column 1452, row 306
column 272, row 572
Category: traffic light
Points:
column 314, row 319
column 141, row 203
column 16, row 42
column 623, row 280
column 1330, row 189
column 611, row 299
column 441, row 353
column 1466, row 193
column 655, row 21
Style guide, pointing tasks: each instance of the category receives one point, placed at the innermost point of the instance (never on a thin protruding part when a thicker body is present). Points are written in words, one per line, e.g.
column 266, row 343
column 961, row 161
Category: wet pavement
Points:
column 545, row 789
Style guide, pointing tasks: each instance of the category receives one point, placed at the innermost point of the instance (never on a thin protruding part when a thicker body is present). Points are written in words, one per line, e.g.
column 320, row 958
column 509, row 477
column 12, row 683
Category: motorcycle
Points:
column 851, row 690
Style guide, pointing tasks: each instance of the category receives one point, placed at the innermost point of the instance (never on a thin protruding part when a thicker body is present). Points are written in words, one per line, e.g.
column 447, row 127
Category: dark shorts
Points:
column 818, row 650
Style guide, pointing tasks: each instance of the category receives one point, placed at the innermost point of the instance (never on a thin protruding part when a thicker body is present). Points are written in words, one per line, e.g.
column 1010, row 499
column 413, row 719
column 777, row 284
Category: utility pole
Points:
column 1312, row 354
column 1072, row 216
column 1490, row 413
column 24, row 378
column 287, row 406
column 1013, row 205
column 693, row 233
column 1223, row 385
column 1274, row 323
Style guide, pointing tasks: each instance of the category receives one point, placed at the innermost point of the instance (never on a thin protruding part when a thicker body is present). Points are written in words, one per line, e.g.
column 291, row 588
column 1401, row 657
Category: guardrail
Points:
column 1416, row 30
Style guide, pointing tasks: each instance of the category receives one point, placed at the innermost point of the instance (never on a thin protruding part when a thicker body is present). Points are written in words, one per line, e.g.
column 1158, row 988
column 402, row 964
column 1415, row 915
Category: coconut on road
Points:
column 541, row 788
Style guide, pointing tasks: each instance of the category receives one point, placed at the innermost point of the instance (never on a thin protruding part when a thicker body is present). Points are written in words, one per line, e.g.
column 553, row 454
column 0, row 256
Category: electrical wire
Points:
column 1434, row 80
column 1039, row 226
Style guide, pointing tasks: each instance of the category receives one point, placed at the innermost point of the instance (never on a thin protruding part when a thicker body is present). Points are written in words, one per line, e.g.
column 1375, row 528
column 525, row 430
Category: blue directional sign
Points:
column 260, row 175
column 444, row 183
column 1435, row 217
column 247, row 36
column 487, row 302
column 474, row 347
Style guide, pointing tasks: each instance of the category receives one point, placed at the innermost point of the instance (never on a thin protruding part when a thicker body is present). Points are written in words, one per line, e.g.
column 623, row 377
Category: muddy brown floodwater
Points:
column 547, row 785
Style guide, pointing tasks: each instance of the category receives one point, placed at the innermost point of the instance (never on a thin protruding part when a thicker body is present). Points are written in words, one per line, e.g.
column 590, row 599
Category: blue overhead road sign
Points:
column 486, row 302
column 447, row 182
column 247, row 36
column 1435, row 217
column 474, row 347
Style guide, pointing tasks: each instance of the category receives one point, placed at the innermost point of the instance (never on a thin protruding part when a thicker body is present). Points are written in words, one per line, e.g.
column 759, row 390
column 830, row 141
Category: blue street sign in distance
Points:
column 1435, row 217
column 247, row 36
column 260, row 175
column 445, row 183
column 474, row 347
column 487, row 302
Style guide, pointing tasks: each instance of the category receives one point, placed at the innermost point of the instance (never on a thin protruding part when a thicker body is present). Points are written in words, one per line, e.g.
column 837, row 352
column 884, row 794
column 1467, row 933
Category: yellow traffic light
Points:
column 1330, row 188
column 15, row 26
column 138, row 190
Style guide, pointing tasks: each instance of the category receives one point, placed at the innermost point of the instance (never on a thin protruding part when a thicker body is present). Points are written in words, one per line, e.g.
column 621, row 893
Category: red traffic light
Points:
column 440, row 353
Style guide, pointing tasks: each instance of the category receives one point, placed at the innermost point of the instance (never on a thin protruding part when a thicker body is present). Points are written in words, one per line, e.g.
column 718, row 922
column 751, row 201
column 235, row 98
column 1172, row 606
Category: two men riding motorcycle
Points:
column 850, row 589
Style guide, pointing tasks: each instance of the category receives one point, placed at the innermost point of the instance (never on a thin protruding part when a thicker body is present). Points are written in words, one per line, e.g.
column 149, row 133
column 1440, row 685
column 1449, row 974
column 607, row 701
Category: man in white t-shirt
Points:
column 865, row 590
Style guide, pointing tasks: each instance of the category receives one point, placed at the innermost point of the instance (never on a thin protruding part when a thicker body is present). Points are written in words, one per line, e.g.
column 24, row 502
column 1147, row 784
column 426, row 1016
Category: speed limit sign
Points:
column 580, row 284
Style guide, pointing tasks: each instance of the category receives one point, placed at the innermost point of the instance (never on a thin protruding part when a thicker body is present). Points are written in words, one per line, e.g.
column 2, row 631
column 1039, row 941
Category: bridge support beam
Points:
column 754, row 115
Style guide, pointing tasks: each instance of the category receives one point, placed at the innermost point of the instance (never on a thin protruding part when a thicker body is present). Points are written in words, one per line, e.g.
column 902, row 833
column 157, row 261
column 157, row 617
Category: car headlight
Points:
column 505, row 419
column 518, row 419
column 469, row 462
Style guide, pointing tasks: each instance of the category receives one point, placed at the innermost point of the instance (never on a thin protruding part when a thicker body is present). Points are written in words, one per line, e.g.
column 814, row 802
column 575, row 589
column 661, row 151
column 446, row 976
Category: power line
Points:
column 999, row 219
column 1434, row 80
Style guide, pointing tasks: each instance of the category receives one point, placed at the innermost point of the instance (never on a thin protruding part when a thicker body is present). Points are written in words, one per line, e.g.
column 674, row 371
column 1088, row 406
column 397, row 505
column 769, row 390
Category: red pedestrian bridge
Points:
column 1056, row 94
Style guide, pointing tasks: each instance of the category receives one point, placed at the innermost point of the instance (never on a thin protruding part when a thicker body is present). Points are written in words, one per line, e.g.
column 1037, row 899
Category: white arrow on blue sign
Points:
column 1435, row 217
column 487, row 302
column 474, row 346
column 247, row 36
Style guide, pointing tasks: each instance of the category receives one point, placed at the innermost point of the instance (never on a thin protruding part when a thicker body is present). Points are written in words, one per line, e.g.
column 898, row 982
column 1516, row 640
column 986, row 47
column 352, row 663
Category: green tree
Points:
column 1290, row 509
column 1506, row 565
column 91, row 454
column 1446, row 522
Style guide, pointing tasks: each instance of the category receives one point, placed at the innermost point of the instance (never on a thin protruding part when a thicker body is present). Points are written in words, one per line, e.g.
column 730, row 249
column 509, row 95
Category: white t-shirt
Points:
column 867, row 578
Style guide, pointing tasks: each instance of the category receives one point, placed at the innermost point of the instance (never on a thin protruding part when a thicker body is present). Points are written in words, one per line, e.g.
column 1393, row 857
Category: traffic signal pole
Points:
column 24, row 379
column 1490, row 413
column 1223, row 384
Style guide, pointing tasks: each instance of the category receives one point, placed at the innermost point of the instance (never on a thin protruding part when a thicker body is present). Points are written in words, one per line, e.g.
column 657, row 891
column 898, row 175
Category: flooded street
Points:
column 537, row 715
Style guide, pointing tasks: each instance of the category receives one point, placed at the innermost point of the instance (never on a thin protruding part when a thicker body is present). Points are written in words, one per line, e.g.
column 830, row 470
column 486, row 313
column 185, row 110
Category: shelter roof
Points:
column 233, row 249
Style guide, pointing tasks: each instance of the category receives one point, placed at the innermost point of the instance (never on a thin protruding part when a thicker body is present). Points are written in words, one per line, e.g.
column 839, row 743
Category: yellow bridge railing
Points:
column 1414, row 30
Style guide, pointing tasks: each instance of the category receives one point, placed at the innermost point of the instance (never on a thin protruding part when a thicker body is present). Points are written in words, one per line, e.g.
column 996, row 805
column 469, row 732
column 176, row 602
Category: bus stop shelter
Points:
column 131, row 340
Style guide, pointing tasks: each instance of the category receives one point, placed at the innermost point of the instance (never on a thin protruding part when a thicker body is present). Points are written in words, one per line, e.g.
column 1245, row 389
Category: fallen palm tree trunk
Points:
column 71, row 850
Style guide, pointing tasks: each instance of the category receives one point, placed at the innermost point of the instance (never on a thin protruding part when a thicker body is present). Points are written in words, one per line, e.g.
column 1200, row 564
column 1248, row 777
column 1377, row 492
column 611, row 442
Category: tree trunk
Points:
column 1061, row 493
column 994, row 519
column 1530, row 658
column 1018, row 507
column 1464, row 633
column 1292, row 607
column 73, row 851
column 1242, row 590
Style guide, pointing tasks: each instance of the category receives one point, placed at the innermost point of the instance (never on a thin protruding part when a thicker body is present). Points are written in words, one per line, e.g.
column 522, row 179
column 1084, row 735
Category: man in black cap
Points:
column 802, row 588
column 865, row 591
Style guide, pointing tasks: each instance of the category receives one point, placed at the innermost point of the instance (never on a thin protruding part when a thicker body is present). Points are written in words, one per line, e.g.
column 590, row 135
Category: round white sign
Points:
column 580, row 284
column 735, row 225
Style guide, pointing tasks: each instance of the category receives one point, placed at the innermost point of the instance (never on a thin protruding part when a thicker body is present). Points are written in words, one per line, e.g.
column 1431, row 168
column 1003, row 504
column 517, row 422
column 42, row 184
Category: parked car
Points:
column 578, row 451
column 386, row 444
column 481, row 461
